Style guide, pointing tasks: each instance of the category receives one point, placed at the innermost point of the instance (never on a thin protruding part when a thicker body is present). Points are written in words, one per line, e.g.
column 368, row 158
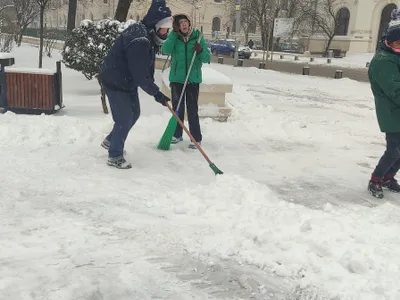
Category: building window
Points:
column 105, row 16
column 216, row 24
column 105, row 1
column 218, row 1
column 343, row 19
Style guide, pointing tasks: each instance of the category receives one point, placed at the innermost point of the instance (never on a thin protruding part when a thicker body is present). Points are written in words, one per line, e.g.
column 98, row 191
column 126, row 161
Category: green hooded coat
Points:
column 181, row 50
column 384, row 76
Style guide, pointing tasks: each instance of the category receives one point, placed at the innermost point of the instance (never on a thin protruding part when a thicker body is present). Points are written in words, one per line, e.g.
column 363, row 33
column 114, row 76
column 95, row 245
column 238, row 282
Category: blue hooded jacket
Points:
column 130, row 62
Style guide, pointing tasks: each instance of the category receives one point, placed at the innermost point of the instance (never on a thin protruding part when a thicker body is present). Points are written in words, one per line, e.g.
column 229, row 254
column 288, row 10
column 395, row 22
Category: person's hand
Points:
column 197, row 47
column 161, row 98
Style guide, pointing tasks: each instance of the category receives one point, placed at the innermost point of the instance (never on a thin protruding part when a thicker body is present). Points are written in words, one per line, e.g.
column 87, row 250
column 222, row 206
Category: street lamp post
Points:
column 237, row 30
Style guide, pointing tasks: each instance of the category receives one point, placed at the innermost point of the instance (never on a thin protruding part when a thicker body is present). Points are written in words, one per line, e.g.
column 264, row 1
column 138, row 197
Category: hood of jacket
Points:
column 180, row 16
column 157, row 11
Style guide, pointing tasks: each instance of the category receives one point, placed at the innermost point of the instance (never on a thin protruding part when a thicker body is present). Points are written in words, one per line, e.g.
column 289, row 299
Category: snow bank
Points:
column 30, row 70
column 337, row 249
column 42, row 131
column 5, row 55
column 210, row 77
column 285, row 151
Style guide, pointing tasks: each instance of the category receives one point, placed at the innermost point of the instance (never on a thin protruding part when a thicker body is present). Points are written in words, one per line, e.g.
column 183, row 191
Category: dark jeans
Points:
column 125, row 109
column 389, row 163
column 191, row 97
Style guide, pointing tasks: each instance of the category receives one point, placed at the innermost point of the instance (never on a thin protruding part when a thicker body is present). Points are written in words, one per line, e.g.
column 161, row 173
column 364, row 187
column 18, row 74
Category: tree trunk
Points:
column 19, row 40
column 21, row 34
column 103, row 97
column 71, row 15
column 121, row 12
column 41, row 36
column 330, row 39
column 17, row 33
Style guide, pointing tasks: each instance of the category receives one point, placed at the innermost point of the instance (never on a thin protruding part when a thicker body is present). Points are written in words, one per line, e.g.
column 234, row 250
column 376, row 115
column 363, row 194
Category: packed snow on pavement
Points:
column 290, row 214
column 351, row 60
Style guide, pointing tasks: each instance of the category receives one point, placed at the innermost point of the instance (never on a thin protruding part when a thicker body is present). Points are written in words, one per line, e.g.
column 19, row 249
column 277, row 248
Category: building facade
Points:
column 211, row 15
column 362, row 22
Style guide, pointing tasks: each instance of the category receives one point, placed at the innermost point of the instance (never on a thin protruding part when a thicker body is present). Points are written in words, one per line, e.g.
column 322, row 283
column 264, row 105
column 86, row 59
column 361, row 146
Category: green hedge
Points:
column 58, row 34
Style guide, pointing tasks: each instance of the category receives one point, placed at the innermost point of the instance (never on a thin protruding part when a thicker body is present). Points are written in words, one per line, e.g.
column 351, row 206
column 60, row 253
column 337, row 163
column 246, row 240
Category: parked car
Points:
column 227, row 47
column 244, row 51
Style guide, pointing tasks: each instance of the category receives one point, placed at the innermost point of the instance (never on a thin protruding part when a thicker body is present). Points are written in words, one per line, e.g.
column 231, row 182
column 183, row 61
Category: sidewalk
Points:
column 297, row 68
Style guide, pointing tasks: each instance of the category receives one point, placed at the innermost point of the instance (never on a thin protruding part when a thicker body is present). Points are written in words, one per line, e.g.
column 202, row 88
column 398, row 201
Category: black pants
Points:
column 191, row 97
column 389, row 163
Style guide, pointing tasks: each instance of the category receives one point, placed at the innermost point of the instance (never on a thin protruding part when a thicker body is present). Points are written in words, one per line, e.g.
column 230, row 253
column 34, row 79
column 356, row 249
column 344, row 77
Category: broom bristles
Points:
column 166, row 139
column 215, row 169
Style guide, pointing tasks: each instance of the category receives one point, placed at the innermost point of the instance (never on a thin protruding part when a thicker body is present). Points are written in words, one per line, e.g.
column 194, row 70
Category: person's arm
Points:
column 387, row 75
column 204, row 55
column 139, row 63
column 169, row 44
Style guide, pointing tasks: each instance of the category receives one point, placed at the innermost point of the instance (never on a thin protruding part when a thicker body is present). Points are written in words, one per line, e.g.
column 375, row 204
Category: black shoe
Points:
column 375, row 189
column 392, row 185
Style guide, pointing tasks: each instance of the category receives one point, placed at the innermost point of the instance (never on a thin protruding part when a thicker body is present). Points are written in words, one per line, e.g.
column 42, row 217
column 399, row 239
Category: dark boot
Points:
column 375, row 187
column 392, row 185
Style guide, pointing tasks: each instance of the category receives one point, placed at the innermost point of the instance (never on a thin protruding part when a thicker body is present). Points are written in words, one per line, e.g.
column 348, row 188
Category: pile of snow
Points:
column 291, row 202
column 210, row 77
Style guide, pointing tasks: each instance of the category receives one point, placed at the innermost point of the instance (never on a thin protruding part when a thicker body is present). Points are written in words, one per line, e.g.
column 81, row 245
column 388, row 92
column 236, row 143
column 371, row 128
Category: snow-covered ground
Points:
column 291, row 209
column 356, row 60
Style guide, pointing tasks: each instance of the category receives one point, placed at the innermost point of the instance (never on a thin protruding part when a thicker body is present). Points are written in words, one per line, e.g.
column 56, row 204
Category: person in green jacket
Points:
column 384, row 76
column 181, row 44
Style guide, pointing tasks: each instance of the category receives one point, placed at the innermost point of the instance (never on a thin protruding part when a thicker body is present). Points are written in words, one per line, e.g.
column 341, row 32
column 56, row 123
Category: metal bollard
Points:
column 240, row 63
column 220, row 60
column 262, row 65
column 367, row 64
column 306, row 70
column 338, row 74
column 329, row 60
column 296, row 58
column 311, row 59
column 281, row 56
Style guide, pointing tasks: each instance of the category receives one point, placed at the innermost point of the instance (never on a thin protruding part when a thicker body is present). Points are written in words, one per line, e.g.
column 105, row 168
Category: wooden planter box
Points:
column 31, row 91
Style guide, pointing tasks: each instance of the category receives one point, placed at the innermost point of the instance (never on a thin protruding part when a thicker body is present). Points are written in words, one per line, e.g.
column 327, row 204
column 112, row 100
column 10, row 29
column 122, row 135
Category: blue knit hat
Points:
column 157, row 12
column 393, row 31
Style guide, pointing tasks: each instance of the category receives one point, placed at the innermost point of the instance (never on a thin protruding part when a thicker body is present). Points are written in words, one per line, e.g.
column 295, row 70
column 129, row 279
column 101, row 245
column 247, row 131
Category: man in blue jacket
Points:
column 129, row 65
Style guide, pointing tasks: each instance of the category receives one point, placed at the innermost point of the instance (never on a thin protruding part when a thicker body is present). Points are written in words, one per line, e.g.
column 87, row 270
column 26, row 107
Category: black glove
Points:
column 161, row 98
column 197, row 47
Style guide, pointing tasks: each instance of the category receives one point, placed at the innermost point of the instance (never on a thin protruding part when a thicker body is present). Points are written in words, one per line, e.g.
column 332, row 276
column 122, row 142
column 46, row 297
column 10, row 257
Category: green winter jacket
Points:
column 182, row 53
column 384, row 76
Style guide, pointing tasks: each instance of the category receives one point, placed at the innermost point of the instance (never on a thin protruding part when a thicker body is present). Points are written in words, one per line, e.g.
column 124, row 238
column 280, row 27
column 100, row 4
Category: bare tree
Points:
column 26, row 12
column 121, row 13
column 263, row 13
column 321, row 17
column 43, row 6
column 247, row 19
column 72, row 6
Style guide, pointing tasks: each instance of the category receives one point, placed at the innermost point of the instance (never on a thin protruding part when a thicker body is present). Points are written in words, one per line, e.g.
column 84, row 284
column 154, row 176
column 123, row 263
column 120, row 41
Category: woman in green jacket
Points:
column 384, row 76
column 181, row 44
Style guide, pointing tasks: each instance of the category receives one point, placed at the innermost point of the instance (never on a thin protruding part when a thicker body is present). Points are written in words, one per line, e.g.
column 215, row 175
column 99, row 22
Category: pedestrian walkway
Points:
column 297, row 68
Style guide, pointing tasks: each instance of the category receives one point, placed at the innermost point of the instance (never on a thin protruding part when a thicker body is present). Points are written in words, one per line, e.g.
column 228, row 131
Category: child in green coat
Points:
column 181, row 44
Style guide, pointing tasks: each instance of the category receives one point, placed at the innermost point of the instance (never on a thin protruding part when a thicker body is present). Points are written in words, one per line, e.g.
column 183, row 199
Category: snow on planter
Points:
column 213, row 89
